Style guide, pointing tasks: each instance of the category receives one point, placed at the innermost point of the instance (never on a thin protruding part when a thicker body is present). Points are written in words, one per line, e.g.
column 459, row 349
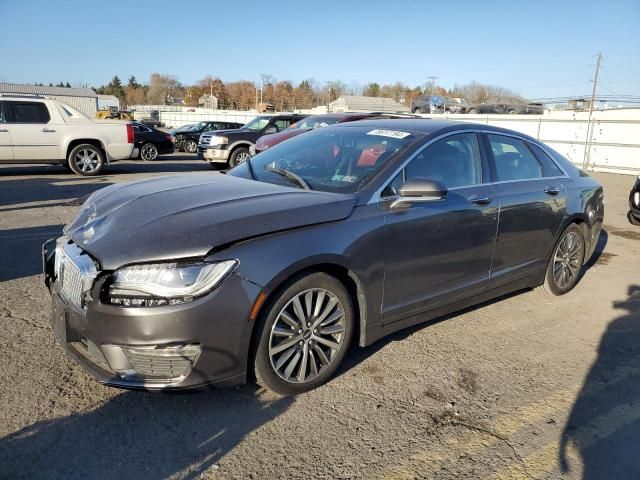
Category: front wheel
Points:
column 305, row 335
column 190, row 146
column 239, row 155
column 417, row 110
column 86, row 160
column 566, row 262
column 149, row 152
column 472, row 111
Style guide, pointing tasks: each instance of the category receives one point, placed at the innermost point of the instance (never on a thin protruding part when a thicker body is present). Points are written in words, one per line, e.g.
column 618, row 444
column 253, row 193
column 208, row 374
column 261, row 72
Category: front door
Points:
column 6, row 150
column 33, row 134
column 439, row 252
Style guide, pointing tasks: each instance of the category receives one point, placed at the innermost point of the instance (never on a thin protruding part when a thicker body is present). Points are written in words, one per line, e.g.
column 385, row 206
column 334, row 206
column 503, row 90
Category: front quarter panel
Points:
column 354, row 244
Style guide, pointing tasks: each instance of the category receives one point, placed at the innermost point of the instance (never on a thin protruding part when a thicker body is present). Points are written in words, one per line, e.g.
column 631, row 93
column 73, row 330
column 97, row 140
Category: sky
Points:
column 539, row 49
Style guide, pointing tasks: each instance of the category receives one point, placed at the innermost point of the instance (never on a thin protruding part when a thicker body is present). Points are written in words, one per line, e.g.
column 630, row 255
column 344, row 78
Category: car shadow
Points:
column 21, row 249
column 140, row 435
column 603, row 428
column 38, row 190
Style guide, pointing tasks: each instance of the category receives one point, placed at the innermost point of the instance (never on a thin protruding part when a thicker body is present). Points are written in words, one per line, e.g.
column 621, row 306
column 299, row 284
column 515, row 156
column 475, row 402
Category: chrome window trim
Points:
column 377, row 197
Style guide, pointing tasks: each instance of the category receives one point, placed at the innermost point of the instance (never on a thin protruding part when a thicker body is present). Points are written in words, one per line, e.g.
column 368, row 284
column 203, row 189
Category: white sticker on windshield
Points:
column 389, row 133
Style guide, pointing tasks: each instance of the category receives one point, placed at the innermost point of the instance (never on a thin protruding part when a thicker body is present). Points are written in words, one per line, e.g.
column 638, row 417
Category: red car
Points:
column 306, row 124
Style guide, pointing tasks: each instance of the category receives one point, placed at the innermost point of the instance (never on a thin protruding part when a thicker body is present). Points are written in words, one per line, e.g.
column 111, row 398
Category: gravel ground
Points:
column 526, row 386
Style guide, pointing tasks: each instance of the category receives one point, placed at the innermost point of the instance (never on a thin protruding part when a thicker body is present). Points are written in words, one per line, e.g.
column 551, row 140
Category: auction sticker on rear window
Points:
column 389, row 133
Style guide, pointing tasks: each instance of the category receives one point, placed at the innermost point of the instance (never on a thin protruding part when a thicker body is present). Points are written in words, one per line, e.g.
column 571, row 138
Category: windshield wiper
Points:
column 290, row 175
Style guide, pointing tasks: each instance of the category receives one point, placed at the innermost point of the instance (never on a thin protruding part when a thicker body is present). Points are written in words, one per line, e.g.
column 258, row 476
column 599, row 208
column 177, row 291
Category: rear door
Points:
column 6, row 150
column 33, row 133
column 532, row 207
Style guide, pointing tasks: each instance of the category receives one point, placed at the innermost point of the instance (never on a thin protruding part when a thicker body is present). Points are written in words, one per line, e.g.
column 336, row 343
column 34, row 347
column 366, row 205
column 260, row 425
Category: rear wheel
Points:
column 305, row 335
column 472, row 111
column 86, row 160
column 190, row 146
column 566, row 262
column 417, row 110
column 149, row 152
column 238, row 156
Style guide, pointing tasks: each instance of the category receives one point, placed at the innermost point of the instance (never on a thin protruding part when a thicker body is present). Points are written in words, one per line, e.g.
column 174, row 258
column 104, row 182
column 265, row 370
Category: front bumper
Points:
column 205, row 341
column 213, row 154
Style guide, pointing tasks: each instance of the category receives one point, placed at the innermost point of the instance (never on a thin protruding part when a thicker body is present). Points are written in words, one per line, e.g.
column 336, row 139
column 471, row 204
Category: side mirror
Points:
column 420, row 190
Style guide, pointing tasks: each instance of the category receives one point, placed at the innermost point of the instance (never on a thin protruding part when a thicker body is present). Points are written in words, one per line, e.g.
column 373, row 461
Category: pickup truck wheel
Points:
column 190, row 146
column 239, row 155
column 86, row 160
column 149, row 152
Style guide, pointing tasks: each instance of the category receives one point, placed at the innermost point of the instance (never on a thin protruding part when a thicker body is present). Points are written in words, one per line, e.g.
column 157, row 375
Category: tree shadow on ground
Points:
column 139, row 435
column 604, row 424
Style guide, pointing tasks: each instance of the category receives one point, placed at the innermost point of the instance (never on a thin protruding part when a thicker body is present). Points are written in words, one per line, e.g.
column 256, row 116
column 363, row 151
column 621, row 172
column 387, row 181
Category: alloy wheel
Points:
column 149, row 152
column 566, row 260
column 242, row 157
column 307, row 335
column 191, row 146
column 87, row 160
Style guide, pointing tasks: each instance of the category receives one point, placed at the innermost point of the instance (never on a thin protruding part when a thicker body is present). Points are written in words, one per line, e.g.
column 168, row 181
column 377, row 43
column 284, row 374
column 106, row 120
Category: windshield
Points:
column 257, row 123
column 314, row 122
column 333, row 159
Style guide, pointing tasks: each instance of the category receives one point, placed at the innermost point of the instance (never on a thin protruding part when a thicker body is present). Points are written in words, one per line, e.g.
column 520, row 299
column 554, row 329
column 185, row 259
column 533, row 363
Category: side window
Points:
column 548, row 166
column 453, row 161
column 392, row 188
column 29, row 112
column 513, row 160
column 2, row 119
column 282, row 124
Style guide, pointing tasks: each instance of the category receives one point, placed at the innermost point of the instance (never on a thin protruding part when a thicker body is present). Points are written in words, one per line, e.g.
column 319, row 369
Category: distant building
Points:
column 208, row 101
column 354, row 103
column 107, row 101
column 82, row 99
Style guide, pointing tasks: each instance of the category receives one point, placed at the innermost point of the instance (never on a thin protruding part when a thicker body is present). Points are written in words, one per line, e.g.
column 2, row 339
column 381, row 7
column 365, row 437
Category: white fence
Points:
column 611, row 144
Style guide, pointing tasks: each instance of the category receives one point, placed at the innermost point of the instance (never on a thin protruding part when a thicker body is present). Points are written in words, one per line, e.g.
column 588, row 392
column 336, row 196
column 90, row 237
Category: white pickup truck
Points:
column 39, row 130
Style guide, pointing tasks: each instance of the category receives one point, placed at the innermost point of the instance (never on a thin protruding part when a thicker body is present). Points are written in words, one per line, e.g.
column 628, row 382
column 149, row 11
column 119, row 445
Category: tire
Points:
column 472, row 111
column 417, row 110
column 511, row 112
column 565, row 264
column 633, row 220
column 190, row 146
column 282, row 349
column 238, row 156
column 86, row 159
column 149, row 152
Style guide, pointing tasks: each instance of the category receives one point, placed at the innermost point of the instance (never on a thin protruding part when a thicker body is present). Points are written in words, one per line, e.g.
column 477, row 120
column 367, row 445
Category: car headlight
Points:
column 215, row 140
column 166, row 283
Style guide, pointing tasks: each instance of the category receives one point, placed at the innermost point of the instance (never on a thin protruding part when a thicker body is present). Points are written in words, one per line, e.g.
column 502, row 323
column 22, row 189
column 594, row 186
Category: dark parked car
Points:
column 153, row 120
column 231, row 147
column 187, row 140
column 510, row 105
column 306, row 124
column 352, row 231
column 151, row 142
column 634, row 203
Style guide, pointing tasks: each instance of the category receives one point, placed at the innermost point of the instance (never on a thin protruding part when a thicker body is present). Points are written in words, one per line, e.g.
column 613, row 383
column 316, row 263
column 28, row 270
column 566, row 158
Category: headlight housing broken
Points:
column 161, row 284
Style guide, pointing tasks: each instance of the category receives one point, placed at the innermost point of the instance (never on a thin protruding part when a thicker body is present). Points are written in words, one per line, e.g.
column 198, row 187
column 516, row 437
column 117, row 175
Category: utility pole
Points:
column 587, row 144
column 433, row 83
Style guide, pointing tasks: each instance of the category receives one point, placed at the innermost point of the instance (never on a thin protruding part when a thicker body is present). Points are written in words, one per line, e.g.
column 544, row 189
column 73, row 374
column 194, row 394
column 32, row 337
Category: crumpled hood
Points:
column 187, row 216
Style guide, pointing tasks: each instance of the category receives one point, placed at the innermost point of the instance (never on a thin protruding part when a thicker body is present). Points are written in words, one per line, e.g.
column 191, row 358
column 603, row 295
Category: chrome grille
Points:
column 205, row 138
column 169, row 363
column 74, row 271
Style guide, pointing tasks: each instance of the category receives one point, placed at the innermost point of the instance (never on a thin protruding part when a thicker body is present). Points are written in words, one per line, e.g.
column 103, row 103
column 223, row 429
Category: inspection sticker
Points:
column 389, row 133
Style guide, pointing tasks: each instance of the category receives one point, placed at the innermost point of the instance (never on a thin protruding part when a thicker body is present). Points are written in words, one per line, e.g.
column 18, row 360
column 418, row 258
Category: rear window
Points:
column 29, row 112
column 549, row 166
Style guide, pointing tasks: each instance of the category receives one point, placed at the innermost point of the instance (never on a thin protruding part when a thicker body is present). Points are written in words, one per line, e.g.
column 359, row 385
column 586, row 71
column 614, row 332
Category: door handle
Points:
column 551, row 190
column 48, row 130
column 480, row 199
column 4, row 130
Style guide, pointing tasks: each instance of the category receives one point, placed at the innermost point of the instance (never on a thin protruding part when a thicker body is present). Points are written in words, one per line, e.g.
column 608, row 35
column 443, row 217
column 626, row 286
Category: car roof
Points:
column 426, row 126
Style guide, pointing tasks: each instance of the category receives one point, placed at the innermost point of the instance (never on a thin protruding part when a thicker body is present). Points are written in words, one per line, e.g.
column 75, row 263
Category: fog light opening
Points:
column 158, row 363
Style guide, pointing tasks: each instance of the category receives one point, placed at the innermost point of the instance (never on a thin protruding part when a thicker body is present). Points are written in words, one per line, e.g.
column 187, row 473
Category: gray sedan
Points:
column 327, row 241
